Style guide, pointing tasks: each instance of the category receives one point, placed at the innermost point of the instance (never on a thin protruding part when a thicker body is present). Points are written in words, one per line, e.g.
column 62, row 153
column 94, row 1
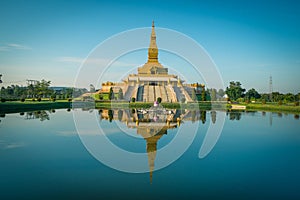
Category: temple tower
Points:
column 153, row 50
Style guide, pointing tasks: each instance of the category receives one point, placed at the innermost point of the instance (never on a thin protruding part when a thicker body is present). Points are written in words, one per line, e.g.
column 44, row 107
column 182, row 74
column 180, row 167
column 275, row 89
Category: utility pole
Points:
column 271, row 88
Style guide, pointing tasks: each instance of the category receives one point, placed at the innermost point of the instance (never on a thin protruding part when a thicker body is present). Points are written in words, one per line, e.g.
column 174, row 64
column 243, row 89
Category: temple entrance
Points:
column 153, row 83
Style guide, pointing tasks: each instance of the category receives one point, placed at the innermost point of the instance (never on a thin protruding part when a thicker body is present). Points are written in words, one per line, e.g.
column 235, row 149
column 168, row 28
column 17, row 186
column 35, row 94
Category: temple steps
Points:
column 150, row 93
column 140, row 93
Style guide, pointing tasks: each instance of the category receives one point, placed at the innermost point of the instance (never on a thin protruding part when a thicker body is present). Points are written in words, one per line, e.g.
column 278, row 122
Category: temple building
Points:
column 153, row 81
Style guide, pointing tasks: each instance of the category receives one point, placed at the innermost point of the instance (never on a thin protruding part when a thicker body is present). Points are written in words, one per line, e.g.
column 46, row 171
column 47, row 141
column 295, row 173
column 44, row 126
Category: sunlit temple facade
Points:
column 153, row 81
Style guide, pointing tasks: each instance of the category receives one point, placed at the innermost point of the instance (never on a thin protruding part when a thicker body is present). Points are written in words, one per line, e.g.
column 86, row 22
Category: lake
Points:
column 59, row 154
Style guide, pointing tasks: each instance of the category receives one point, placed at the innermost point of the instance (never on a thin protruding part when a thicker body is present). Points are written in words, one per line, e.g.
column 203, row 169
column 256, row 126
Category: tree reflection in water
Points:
column 234, row 115
column 41, row 115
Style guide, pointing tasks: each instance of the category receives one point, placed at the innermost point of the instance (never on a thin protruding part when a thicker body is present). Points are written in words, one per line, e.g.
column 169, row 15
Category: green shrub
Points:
column 70, row 99
column 158, row 99
column 22, row 99
column 263, row 101
column 280, row 102
column 39, row 99
column 3, row 100
column 133, row 99
column 33, row 99
column 297, row 103
column 182, row 100
column 240, row 99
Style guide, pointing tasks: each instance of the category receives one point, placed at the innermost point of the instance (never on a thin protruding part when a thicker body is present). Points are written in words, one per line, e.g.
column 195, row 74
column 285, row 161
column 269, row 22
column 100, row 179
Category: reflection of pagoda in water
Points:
column 152, row 125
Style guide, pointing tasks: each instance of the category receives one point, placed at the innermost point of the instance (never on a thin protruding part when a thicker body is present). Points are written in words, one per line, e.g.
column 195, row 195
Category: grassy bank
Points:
column 273, row 107
column 26, row 106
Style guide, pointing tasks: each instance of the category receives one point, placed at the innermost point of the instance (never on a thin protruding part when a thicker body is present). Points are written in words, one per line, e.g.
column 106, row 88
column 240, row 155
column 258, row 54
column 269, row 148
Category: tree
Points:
column 182, row 100
column 111, row 94
column 252, row 93
column 120, row 115
column 289, row 97
column 42, row 88
column 194, row 97
column 235, row 90
column 120, row 94
column 276, row 96
column 221, row 92
column 203, row 93
column 158, row 99
column 110, row 115
column 203, row 116
column 92, row 88
column 213, row 94
column 213, row 116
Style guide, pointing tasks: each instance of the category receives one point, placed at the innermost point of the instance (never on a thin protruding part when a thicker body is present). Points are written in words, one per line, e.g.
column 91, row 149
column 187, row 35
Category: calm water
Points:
column 256, row 156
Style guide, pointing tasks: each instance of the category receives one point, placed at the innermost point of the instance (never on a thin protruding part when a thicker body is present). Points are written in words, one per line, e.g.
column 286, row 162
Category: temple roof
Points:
column 152, row 78
column 152, row 64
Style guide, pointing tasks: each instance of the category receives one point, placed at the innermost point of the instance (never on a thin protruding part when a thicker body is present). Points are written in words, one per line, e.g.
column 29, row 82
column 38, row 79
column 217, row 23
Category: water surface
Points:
column 256, row 156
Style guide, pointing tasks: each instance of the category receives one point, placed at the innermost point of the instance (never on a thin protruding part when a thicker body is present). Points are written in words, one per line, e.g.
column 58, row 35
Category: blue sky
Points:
column 248, row 40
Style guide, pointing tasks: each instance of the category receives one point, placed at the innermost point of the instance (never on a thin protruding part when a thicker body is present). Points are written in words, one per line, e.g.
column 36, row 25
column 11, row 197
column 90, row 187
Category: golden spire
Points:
column 151, row 151
column 152, row 50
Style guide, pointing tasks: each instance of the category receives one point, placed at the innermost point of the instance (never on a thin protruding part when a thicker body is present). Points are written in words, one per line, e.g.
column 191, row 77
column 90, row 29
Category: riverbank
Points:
column 26, row 106
column 272, row 107
column 18, row 106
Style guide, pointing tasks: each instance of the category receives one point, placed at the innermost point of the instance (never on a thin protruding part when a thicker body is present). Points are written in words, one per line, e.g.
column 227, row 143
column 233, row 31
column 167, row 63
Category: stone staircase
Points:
column 130, row 92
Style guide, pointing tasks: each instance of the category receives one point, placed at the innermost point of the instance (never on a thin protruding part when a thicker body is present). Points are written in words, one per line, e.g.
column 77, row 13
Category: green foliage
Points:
column 3, row 100
column 120, row 94
column 182, row 100
column 213, row 94
column 240, row 100
column 194, row 97
column 158, row 99
column 289, row 97
column 120, row 115
column 133, row 99
column 280, row 102
column 111, row 95
column 235, row 90
column 97, row 96
column 296, row 103
column 263, row 101
column 203, row 94
column 221, row 92
column 252, row 94
column 110, row 115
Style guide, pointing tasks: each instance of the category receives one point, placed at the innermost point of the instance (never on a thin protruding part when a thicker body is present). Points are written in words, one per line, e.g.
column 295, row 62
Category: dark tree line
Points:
column 41, row 89
column 235, row 92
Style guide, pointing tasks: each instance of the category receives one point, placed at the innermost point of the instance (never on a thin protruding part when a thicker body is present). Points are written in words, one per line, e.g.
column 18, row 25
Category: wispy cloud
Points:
column 98, row 61
column 13, row 46
column 8, row 145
